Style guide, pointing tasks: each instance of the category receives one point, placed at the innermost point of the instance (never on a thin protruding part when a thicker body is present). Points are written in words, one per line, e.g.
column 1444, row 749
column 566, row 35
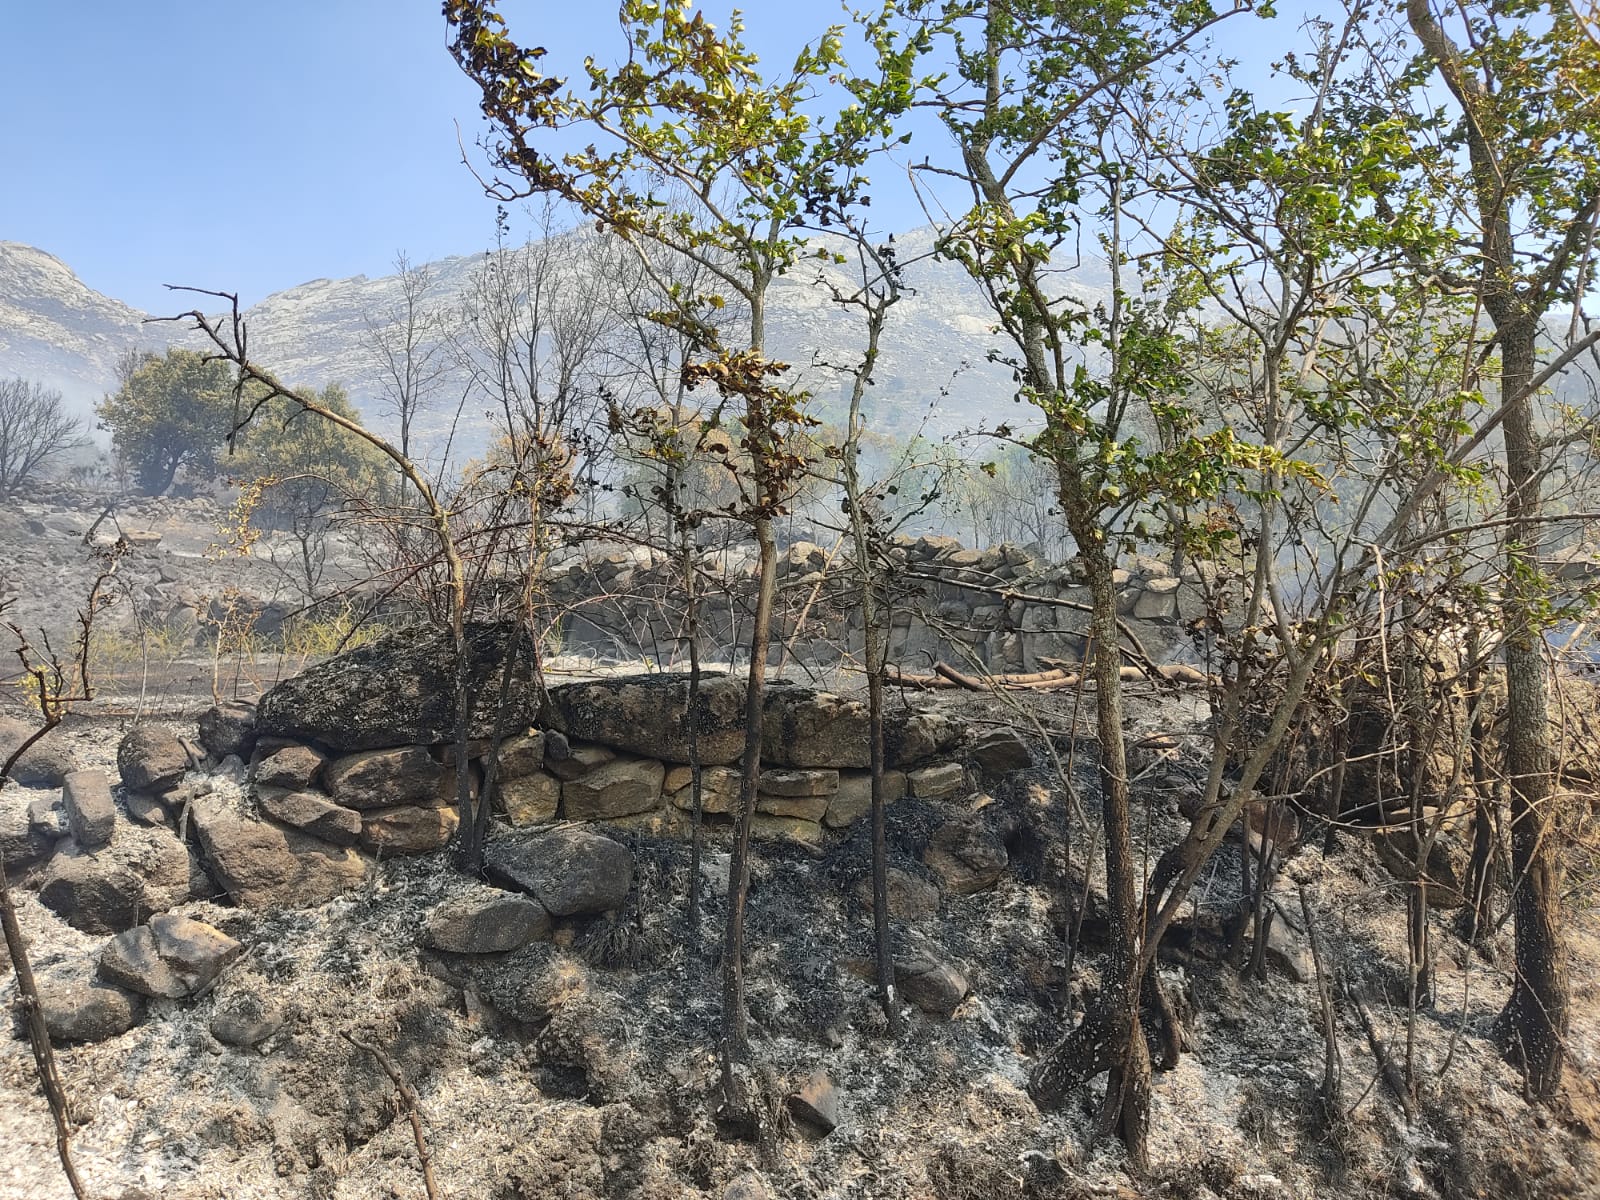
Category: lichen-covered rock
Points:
column 400, row 690
column 530, row 799
column 572, row 872
column 519, row 756
column 803, row 728
column 151, row 759
column 649, row 715
column 719, row 789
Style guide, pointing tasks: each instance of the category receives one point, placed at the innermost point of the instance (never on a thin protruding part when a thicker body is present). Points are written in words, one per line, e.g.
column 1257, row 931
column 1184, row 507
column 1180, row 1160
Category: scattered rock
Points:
column 748, row 1186
column 406, row 775
column 263, row 865
column 572, row 872
column 245, row 1020
column 486, row 921
column 312, row 813
column 933, row 986
column 151, row 759
column 80, row 1008
column 107, row 891
column 46, row 763
column 400, row 690
column 966, row 855
column 1000, row 751
column 408, row 829
column 145, row 808
column 130, row 960
column 91, row 813
column 1288, row 952
column 228, row 728
column 530, row 799
column 194, row 951
column 292, row 767
column 615, row 789
column 22, row 841
column 939, row 782
column 817, row 1102
column 910, row 898
column 1399, row 850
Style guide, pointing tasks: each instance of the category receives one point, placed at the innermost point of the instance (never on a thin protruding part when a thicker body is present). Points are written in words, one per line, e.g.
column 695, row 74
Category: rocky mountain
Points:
column 934, row 377
column 56, row 329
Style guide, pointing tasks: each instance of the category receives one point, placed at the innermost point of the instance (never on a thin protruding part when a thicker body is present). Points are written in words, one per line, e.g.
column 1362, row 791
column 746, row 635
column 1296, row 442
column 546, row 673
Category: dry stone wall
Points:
column 1000, row 609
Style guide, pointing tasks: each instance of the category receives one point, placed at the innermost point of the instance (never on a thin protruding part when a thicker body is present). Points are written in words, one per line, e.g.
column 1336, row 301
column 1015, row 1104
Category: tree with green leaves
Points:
column 170, row 412
column 1027, row 108
column 688, row 115
column 1520, row 146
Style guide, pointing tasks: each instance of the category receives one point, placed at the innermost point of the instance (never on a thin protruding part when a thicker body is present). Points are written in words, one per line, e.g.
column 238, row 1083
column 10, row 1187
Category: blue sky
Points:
column 255, row 146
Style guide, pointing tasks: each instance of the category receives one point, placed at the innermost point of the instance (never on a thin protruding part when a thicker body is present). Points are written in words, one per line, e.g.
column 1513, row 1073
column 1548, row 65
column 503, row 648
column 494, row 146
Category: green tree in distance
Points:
column 170, row 412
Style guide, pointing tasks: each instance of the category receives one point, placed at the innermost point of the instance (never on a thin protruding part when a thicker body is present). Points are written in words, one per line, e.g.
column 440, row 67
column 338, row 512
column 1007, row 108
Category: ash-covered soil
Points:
column 586, row 1067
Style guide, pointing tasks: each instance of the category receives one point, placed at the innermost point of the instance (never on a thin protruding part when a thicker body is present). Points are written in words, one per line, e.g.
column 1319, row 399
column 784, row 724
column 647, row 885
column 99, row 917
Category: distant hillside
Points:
column 55, row 328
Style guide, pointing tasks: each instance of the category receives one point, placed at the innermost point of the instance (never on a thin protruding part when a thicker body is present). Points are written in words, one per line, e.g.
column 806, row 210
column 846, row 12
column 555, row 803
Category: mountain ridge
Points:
column 934, row 375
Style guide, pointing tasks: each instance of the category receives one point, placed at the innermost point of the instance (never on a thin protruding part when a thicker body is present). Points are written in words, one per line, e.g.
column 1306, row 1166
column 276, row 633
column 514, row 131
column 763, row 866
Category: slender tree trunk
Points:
column 1533, row 1024
column 735, row 1033
column 1110, row 1037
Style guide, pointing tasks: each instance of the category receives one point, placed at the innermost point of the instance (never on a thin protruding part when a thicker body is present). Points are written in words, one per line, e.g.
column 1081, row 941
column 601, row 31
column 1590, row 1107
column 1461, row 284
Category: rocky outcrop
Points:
column 396, row 691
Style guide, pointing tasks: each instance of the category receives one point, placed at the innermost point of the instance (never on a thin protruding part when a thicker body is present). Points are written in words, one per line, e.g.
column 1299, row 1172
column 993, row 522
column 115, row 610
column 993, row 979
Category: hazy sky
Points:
column 255, row 146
